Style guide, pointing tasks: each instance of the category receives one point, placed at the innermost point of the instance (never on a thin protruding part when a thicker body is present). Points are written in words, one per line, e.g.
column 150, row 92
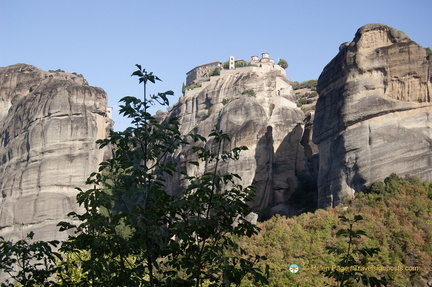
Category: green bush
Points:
column 283, row 63
column 214, row 72
column 193, row 86
column 304, row 101
column 311, row 95
column 242, row 63
column 250, row 92
column 311, row 84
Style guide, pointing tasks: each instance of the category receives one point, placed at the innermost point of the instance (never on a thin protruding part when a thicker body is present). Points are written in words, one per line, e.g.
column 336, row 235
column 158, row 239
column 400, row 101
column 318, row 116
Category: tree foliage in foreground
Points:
column 348, row 270
column 29, row 264
column 133, row 233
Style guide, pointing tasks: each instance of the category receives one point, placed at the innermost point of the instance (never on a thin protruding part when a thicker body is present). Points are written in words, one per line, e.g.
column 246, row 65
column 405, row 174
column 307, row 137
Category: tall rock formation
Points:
column 255, row 106
column 49, row 122
column 374, row 114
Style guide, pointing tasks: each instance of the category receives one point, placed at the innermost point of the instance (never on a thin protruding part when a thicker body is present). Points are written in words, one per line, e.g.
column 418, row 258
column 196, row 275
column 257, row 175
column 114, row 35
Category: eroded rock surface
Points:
column 255, row 106
column 373, row 115
column 49, row 122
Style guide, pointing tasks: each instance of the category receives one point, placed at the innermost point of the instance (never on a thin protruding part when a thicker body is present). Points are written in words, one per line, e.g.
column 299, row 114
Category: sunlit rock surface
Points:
column 255, row 107
column 373, row 115
column 49, row 122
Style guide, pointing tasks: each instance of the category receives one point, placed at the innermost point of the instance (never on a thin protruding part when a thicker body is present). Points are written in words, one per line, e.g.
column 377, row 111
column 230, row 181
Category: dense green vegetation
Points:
column 304, row 100
column 397, row 219
column 283, row 63
column 193, row 86
column 29, row 264
column 214, row 72
column 349, row 270
column 311, row 84
column 242, row 63
column 237, row 64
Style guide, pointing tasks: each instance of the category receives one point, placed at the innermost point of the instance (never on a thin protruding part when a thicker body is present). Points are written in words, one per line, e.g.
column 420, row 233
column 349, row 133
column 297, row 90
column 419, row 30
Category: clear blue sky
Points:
column 103, row 40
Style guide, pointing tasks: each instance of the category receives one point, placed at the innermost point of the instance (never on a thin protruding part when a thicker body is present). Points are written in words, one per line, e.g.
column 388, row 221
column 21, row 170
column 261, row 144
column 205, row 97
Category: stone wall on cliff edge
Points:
column 373, row 115
column 255, row 107
column 49, row 122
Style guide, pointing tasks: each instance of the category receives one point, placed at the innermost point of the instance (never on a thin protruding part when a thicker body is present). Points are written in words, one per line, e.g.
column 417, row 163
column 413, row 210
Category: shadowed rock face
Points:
column 266, row 120
column 49, row 122
column 373, row 116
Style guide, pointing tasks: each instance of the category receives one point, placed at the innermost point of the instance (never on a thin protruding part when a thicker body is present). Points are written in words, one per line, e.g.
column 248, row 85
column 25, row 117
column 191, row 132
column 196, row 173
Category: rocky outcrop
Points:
column 373, row 115
column 255, row 106
column 49, row 122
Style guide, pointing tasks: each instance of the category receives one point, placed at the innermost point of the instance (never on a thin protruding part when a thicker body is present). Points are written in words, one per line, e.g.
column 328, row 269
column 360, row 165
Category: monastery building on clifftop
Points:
column 204, row 71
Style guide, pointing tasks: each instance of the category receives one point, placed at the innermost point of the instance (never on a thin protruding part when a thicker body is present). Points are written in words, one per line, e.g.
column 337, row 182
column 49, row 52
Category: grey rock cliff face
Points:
column 373, row 116
column 49, row 122
column 255, row 106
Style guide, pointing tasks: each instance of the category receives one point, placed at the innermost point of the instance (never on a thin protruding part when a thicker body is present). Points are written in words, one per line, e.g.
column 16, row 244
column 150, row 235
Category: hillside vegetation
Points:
column 397, row 219
column 306, row 95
